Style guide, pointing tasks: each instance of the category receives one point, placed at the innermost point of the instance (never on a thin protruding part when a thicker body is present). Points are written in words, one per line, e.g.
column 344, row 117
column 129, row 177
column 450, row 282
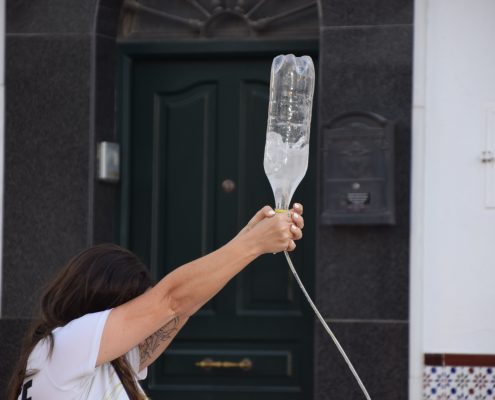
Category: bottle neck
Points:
column 282, row 201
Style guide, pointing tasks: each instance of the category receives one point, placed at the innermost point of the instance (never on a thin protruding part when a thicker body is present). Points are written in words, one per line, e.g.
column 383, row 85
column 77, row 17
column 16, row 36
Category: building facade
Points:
column 66, row 92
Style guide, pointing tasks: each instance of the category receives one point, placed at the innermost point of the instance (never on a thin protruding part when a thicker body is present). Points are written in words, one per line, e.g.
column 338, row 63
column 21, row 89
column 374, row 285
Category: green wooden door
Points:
column 191, row 125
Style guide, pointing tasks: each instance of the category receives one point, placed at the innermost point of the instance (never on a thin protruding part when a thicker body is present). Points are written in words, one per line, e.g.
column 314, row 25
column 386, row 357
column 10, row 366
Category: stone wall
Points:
column 363, row 272
column 56, row 88
column 60, row 85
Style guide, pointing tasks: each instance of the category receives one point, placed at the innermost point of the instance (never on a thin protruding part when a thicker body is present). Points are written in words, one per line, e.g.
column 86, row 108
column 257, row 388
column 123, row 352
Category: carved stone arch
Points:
column 234, row 19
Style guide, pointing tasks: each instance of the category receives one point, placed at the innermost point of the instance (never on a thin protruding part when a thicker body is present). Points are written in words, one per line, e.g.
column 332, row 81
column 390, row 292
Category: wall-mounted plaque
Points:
column 358, row 170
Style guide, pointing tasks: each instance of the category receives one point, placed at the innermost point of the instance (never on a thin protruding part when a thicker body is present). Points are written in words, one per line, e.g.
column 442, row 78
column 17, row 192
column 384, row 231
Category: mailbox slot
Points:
column 358, row 170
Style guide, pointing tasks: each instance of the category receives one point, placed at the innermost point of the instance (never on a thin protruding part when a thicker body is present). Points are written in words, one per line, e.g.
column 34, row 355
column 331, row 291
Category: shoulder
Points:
column 74, row 352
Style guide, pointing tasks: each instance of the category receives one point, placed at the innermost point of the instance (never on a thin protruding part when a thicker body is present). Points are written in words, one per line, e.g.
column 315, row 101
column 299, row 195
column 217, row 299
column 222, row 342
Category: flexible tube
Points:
column 327, row 328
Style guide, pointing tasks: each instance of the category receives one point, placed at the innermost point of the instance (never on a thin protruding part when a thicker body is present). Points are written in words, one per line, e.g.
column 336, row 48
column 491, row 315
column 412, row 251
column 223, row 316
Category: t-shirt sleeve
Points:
column 76, row 349
column 134, row 361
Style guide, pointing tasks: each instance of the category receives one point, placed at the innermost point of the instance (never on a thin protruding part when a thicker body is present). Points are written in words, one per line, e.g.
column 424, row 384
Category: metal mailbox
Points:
column 358, row 170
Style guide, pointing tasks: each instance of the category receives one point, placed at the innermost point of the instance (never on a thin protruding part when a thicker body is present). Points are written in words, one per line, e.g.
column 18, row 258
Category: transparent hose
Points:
column 327, row 328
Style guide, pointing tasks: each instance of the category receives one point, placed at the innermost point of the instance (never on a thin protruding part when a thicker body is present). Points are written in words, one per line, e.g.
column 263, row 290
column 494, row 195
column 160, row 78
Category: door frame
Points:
column 129, row 51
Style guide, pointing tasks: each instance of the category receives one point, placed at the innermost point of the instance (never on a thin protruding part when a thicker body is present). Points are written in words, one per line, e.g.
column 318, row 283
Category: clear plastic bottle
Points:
column 289, row 119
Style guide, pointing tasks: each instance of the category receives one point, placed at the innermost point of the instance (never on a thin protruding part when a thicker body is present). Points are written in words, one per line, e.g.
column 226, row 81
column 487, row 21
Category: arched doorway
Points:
column 192, row 116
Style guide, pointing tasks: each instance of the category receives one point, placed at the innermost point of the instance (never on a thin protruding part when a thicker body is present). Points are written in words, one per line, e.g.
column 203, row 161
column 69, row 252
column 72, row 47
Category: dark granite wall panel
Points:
column 363, row 271
column 378, row 352
column 60, row 98
column 46, row 162
column 105, row 81
column 50, row 16
column 11, row 333
column 105, row 194
column 368, row 68
column 108, row 17
column 369, row 12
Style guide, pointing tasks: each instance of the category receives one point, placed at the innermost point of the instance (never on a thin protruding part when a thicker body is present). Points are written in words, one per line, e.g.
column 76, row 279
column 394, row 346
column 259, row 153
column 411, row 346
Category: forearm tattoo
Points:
column 150, row 344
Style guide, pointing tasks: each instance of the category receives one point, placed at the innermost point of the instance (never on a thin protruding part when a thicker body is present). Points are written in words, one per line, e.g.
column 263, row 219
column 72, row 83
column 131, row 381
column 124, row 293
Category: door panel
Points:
column 193, row 125
column 185, row 112
column 256, row 291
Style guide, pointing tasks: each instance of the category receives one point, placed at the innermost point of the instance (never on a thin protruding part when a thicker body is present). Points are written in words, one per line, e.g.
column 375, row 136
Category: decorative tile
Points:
column 433, row 359
column 433, row 383
column 490, row 373
column 458, row 383
column 481, row 384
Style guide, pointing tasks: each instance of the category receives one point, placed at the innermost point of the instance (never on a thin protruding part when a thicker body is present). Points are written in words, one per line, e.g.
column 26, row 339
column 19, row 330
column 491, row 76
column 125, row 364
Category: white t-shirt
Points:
column 70, row 373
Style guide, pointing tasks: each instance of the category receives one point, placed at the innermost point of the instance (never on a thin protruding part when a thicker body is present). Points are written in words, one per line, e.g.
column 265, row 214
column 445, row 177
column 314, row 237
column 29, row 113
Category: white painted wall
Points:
column 459, row 230
column 418, row 201
column 453, row 192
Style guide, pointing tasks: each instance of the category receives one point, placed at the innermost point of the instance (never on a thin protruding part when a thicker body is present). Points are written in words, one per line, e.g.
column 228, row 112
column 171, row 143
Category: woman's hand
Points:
column 267, row 212
column 271, row 232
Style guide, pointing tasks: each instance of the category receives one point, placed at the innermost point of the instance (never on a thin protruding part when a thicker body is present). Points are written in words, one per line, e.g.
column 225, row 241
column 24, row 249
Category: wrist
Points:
column 247, row 245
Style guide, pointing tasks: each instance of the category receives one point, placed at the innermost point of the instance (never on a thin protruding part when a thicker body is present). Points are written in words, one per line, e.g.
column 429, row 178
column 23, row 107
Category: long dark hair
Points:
column 96, row 279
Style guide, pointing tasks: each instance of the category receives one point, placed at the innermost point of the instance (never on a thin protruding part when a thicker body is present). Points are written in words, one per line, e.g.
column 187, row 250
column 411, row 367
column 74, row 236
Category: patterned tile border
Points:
column 460, row 360
column 444, row 380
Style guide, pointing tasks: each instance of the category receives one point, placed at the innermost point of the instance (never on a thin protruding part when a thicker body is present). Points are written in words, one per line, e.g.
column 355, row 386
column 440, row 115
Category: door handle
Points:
column 245, row 364
column 228, row 185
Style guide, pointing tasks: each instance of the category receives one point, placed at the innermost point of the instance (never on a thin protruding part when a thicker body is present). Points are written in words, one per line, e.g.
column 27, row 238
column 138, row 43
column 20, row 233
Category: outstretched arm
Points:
column 183, row 291
column 154, row 345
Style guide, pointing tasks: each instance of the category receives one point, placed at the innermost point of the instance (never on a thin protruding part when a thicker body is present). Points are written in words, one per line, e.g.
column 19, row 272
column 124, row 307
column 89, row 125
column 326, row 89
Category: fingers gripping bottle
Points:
column 292, row 84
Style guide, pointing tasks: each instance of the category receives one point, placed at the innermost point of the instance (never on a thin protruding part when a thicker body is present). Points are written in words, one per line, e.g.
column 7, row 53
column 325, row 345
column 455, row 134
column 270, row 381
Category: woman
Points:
column 102, row 323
